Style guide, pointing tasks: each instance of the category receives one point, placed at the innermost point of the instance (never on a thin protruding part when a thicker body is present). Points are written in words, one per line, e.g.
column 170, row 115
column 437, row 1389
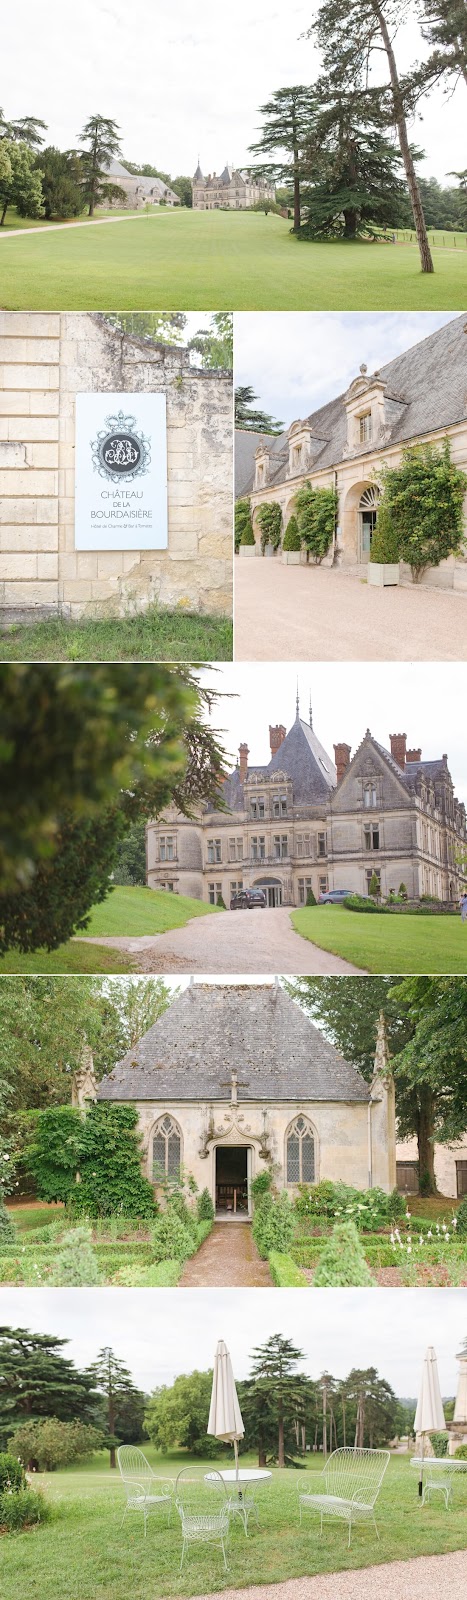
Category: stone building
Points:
column 305, row 821
column 234, row 1079
column 138, row 190
column 234, row 190
column 46, row 359
column 450, row 1167
column 419, row 398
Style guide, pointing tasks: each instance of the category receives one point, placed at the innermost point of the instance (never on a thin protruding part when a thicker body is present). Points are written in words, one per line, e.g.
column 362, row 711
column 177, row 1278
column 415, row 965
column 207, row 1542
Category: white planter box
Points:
column 291, row 558
column 381, row 573
column 247, row 550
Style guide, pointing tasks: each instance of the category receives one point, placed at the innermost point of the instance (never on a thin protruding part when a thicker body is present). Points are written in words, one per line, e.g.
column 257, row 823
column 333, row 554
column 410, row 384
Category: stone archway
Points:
column 358, row 521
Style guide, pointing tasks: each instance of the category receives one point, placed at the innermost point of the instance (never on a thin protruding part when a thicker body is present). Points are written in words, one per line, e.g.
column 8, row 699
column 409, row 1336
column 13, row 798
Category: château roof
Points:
column 254, row 1030
column 425, row 391
column 303, row 759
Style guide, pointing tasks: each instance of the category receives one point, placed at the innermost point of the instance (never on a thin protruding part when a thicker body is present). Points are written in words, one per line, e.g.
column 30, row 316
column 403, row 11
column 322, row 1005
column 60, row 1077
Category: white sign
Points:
column 121, row 472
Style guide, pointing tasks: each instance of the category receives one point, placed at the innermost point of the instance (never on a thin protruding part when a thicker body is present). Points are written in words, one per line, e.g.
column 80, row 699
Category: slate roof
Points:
column 430, row 769
column 246, row 442
column 302, row 758
column 256, row 1030
column 426, row 389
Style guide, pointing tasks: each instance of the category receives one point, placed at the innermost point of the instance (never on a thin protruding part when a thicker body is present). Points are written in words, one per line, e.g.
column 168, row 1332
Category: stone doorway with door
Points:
column 272, row 888
column 233, row 1182
column 368, row 515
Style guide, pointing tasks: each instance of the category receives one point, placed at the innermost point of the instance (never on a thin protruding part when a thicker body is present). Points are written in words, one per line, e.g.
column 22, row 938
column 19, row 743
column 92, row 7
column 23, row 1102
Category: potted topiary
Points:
column 292, row 545
column 245, row 541
column 383, row 565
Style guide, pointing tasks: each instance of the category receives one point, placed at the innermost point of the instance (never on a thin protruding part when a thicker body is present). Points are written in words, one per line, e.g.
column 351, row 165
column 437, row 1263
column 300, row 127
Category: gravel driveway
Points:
column 426, row 1578
column 238, row 942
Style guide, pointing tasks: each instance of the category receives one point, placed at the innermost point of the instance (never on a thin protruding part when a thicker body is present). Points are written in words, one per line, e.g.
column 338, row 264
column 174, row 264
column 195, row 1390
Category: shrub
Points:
column 274, row 1224
column 104, row 1147
column 163, row 1275
column 316, row 519
column 262, row 1184
column 423, row 497
column 220, row 902
column 310, row 898
column 384, row 544
column 204, row 1207
column 11, row 1472
column 76, row 1265
column 357, row 902
column 8, row 1233
column 440, row 1443
column 461, row 1453
column 374, row 887
column 284, row 1272
column 461, row 1214
column 316, row 1199
column 171, row 1239
column 22, row 1509
column 342, row 1262
column 52, row 1443
column 396, row 1205
column 203, row 1229
column 402, row 891
column 292, row 540
column 243, row 524
column 269, row 519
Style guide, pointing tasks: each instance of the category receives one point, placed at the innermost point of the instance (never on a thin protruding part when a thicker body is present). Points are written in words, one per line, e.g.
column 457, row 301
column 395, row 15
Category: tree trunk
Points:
column 296, row 181
column 401, row 125
column 4, row 212
column 426, row 1148
column 350, row 224
column 113, row 1456
column 280, row 1449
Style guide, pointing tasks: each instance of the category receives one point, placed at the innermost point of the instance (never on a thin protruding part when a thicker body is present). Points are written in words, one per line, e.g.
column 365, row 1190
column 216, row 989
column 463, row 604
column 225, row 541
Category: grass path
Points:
column 197, row 259
column 387, row 943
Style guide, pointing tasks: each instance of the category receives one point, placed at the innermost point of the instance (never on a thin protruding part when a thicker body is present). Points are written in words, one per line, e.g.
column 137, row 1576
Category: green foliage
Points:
column 402, row 891
column 8, row 1233
column 367, row 1208
column 11, row 1471
column 342, row 1262
column 286, row 125
column 203, row 1230
column 273, row 1224
column 20, row 181
column 461, row 1453
column 204, row 1207
column 220, row 902
column 100, row 141
column 269, row 519
column 178, row 1416
column 423, row 499
column 261, row 1184
column 22, row 1510
column 243, row 524
column 50, row 1443
column 316, row 519
column 374, row 887
column 357, row 902
column 385, row 542
column 284, row 1272
column 214, row 345
column 60, row 173
column 292, row 540
column 440, row 1443
column 130, row 861
column 310, row 898
column 104, row 1148
column 172, row 1239
column 316, row 1199
column 247, row 417
column 38, row 1380
column 184, row 188
column 352, row 182
column 76, row 1264
column 462, row 1219
column 396, row 1205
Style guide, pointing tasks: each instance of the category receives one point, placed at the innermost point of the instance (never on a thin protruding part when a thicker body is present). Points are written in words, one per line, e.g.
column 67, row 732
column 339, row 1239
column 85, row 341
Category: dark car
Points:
column 248, row 899
column 334, row 897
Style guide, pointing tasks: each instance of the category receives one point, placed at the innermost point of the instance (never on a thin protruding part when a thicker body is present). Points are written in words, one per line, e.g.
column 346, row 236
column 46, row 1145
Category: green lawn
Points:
column 71, row 957
column 150, row 636
column 179, row 260
column 126, row 912
column 13, row 221
column 386, row 943
column 85, row 1554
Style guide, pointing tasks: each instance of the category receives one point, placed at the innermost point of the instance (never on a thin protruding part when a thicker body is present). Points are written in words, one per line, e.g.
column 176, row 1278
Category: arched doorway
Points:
column 233, row 1164
column 272, row 888
column 367, row 516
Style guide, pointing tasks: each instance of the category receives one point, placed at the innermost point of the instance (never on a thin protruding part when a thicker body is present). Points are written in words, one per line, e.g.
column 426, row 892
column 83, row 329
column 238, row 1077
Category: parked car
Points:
column 248, row 899
column 334, row 897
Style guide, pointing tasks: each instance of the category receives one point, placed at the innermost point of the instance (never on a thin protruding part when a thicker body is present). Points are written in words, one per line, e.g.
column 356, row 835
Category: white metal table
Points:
column 238, row 1483
column 437, row 1472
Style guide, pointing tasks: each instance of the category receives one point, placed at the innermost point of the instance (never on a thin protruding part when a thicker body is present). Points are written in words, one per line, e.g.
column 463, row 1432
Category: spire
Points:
column 198, row 177
column 311, row 712
column 297, row 706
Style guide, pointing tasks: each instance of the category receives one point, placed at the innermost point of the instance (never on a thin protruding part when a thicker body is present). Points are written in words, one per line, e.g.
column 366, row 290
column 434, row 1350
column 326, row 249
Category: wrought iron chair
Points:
column 347, row 1487
column 145, row 1492
column 204, row 1520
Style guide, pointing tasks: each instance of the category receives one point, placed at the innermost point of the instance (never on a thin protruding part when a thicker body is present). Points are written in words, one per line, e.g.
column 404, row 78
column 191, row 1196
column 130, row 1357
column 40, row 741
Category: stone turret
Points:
column 84, row 1082
column 382, row 1116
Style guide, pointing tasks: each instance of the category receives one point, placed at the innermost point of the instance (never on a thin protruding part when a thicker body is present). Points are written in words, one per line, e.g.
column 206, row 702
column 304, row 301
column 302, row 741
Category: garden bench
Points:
column 347, row 1487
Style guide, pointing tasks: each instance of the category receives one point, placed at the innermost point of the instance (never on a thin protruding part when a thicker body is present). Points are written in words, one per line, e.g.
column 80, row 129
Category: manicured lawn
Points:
column 386, row 943
column 139, row 911
column 85, row 1554
column 13, row 221
column 152, row 636
column 199, row 259
column 70, row 957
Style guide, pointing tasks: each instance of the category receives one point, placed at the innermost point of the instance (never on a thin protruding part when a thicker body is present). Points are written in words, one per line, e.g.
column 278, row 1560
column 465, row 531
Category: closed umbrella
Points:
column 429, row 1416
column 225, row 1417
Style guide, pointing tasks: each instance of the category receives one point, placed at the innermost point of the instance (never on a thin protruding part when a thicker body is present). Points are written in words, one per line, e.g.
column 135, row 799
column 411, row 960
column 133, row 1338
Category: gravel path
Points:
column 228, row 1259
column 57, row 227
column 324, row 614
column 240, row 941
column 425, row 1578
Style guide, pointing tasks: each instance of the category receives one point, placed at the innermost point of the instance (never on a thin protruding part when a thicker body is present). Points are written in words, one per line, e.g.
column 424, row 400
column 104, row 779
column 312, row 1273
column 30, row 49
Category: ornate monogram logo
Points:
column 121, row 450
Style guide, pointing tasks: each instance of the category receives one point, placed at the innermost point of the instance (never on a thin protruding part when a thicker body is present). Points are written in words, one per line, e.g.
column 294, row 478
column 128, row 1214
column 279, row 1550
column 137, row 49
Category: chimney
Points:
column 342, row 759
column 413, row 755
column 276, row 737
column 398, row 748
column 444, row 760
column 243, row 753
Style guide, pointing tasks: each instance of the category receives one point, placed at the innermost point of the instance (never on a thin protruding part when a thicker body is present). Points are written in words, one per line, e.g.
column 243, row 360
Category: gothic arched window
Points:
column 300, row 1152
column 166, row 1149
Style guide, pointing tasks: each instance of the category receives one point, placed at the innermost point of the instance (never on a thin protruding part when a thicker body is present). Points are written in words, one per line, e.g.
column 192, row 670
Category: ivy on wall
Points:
column 316, row 512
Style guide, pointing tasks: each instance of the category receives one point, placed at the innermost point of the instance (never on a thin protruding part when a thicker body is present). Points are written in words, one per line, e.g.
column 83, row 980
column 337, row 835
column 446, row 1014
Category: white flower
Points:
column 454, row 1222
column 409, row 1249
column 408, row 1214
column 447, row 1237
column 429, row 1234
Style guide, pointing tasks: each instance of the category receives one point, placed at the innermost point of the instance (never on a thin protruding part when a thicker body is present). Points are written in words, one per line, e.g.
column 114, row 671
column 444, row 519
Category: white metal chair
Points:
column 347, row 1487
column 145, row 1492
column 203, row 1519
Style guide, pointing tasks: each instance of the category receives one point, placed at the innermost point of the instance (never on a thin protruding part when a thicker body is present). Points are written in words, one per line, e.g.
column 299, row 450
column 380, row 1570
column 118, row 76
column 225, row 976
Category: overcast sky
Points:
column 424, row 700
column 183, row 81
column 159, row 1333
column 297, row 360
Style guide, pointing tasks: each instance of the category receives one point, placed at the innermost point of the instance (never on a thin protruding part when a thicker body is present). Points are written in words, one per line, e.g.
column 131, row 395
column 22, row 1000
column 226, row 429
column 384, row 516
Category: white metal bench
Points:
column 347, row 1488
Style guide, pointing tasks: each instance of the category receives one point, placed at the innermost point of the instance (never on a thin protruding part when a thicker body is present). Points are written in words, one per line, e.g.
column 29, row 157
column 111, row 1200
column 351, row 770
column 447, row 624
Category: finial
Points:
column 297, row 706
column 311, row 712
column 363, row 368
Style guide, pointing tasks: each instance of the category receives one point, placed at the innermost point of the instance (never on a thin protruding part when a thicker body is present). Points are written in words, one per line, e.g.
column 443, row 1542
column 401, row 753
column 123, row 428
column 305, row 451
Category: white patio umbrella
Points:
column 225, row 1417
column 429, row 1416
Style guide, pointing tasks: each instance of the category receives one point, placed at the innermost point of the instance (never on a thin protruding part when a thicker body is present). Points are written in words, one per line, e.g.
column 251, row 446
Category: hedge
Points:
column 284, row 1272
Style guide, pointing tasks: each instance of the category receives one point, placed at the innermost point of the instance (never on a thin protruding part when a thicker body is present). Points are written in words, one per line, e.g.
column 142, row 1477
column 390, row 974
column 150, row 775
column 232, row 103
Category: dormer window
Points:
column 260, row 473
column 297, row 457
column 365, row 427
column 369, row 795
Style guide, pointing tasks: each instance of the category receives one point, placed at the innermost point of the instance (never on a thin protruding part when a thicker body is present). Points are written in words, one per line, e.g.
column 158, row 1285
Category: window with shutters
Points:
column 300, row 1152
column 166, row 1150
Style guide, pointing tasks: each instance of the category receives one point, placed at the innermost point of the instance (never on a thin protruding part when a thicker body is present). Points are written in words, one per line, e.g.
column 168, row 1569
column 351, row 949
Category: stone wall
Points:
column 45, row 360
column 446, row 1156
